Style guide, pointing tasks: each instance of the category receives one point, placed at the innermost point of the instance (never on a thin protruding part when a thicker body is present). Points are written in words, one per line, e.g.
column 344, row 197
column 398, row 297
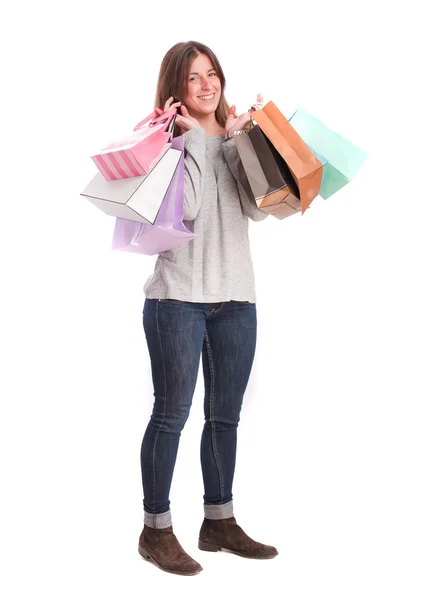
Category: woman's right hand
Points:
column 184, row 121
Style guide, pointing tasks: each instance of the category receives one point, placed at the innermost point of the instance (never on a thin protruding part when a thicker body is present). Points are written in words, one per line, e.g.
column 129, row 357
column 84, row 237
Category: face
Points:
column 204, row 87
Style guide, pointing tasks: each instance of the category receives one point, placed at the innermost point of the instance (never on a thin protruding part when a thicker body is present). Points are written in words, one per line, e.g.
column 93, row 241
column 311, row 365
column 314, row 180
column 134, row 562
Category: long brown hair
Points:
column 174, row 73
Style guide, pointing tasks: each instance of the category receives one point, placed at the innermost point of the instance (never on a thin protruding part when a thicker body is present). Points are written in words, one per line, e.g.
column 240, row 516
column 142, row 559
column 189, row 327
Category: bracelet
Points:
column 231, row 134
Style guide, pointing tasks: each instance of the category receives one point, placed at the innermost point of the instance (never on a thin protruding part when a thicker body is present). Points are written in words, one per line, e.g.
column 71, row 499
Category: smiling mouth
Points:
column 207, row 98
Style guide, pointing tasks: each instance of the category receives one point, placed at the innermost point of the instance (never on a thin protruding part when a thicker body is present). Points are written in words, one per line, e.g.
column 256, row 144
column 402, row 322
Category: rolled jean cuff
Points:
column 219, row 511
column 157, row 521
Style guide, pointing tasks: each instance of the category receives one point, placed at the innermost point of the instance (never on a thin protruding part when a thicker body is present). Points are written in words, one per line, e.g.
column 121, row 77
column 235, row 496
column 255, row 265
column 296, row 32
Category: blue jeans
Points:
column 178, row 333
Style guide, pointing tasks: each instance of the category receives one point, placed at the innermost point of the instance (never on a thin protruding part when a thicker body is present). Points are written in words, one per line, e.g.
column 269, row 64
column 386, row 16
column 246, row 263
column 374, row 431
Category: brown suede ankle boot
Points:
column 225, row 534
column 161, row 546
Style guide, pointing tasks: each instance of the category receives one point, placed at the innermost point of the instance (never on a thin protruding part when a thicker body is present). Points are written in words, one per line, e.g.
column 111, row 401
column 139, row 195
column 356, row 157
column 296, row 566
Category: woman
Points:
column 200, row 301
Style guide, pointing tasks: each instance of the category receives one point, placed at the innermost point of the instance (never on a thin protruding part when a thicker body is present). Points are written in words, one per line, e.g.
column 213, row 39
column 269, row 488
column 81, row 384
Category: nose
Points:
column 206, row 84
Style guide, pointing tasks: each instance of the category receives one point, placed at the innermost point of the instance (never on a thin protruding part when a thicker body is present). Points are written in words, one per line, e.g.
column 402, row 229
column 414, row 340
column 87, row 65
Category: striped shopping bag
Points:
column 140, row 152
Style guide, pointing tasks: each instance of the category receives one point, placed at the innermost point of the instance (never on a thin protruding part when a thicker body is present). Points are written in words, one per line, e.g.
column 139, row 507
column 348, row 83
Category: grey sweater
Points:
column 216, row 266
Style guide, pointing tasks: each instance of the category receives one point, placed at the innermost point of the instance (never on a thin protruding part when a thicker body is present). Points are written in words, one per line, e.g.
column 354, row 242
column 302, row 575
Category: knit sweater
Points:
column 216, row 266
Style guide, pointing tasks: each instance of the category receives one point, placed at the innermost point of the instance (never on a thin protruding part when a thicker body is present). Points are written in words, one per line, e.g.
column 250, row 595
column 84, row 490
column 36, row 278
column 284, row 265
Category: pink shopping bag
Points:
column 138, row 153
column 168, row 231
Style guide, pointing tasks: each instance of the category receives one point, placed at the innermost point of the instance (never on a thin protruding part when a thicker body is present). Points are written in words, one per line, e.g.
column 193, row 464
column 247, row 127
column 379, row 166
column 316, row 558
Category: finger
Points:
column 232, row 114
column 168, row 104
column 184, row 111
column 182, row 122
column 258, row 104
column 158, row 111
column 231, row 117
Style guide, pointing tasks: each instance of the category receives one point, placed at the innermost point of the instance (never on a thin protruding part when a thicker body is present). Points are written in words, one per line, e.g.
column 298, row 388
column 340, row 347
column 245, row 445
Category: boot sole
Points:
column 150, row 558
column 207, row 547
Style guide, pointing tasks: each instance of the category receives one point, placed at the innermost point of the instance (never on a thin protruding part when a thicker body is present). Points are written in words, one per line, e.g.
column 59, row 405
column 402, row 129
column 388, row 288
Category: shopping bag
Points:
column 138, row 153
column 135, row 198
column 271, row 182
column 168, row 230
column 305, row 167
column 343, row 159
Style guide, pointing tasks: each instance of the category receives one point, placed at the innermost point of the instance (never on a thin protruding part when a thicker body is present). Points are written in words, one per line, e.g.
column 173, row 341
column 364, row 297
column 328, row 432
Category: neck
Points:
column 209, row 123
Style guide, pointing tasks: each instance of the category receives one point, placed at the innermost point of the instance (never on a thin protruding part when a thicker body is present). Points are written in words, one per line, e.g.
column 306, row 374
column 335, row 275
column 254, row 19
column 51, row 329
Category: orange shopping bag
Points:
column 306, row 169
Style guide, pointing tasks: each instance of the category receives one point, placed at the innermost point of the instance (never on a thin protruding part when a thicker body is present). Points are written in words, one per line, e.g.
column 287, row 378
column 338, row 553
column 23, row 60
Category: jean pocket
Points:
column 175, row 315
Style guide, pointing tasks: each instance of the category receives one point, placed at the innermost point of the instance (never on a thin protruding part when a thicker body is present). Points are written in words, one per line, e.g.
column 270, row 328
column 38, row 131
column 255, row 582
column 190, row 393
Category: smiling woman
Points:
column 200, row 302
column 191, row 72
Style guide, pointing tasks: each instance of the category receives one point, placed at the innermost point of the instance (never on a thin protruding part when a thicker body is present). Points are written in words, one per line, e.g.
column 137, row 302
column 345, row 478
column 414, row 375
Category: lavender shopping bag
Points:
column 168, row 231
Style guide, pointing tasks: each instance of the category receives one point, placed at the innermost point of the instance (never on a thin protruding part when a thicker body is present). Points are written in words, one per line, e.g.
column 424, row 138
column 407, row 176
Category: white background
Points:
column 337, row 440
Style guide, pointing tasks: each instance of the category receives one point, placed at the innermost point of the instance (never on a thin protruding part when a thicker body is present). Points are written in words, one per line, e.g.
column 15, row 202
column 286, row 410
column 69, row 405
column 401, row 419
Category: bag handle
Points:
column 137, row 234
column 154, row 119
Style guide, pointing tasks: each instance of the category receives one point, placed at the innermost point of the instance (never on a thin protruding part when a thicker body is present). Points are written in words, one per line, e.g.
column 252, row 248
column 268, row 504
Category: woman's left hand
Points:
column 235, row 123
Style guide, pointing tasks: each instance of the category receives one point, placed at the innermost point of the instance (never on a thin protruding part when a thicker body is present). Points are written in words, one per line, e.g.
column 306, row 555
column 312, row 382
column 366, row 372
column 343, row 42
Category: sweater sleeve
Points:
column 194, row 171
column 247, row 199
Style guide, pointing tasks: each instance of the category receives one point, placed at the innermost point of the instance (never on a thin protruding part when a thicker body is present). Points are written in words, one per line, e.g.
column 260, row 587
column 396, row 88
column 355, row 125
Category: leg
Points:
column 228, row 353
column 174, row 332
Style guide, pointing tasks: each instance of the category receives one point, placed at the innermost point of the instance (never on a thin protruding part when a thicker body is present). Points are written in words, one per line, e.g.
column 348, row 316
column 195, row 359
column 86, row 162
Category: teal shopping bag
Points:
column 340, row 158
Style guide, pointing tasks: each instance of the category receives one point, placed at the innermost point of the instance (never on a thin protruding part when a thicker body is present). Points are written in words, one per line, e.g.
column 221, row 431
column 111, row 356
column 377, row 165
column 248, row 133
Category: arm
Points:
column 194, row 170
column 247, row 199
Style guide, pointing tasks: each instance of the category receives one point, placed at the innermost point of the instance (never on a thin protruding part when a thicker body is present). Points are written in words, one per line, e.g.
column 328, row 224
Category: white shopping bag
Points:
column 135, row 198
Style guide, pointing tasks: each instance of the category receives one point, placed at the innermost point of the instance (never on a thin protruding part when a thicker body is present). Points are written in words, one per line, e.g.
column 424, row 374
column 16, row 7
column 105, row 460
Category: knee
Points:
column 171, row 421
column 222, row 424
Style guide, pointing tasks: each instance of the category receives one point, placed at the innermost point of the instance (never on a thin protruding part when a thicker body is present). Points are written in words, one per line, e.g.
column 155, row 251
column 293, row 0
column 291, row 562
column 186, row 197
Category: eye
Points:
column 215, row 74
